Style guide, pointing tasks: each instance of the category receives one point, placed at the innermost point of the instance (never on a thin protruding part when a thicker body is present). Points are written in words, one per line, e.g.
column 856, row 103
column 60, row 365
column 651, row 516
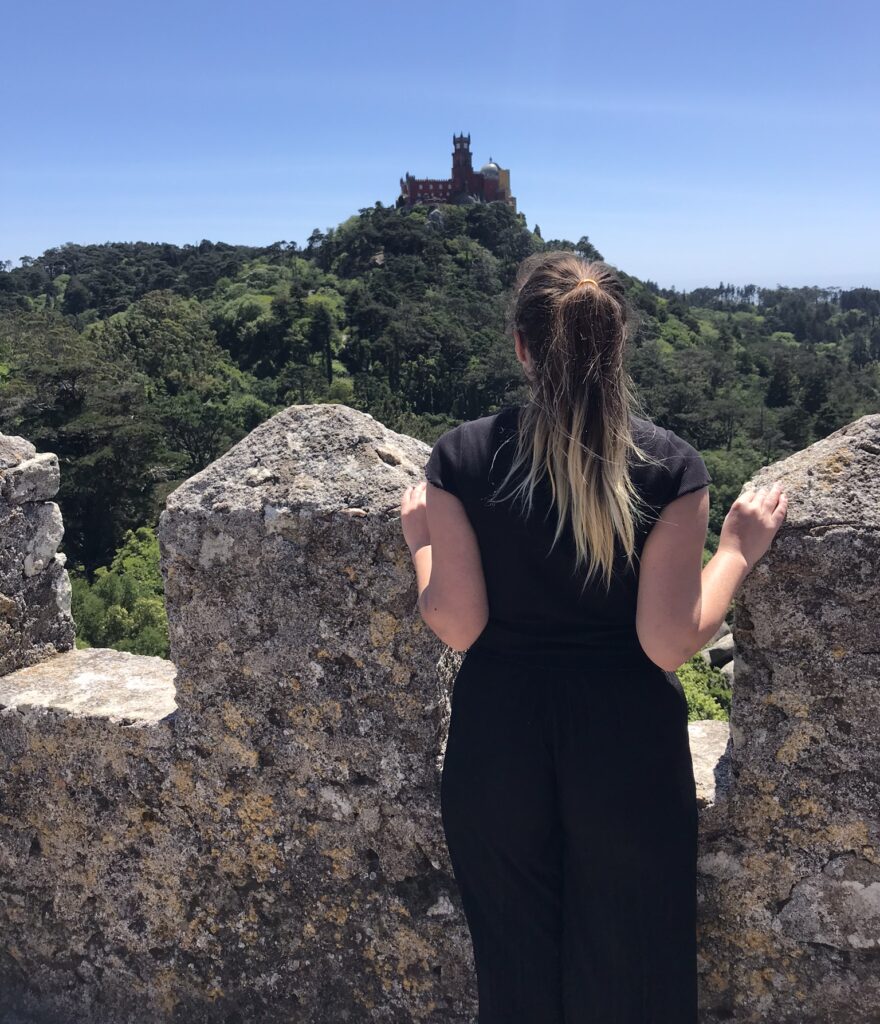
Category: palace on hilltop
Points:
column 490, row 184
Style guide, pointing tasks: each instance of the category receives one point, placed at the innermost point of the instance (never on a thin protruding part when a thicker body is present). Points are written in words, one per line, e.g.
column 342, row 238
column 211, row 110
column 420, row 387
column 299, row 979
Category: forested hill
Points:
column 140, row 363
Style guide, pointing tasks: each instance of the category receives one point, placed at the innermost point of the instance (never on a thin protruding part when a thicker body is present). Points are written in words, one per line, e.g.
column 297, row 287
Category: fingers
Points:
column 778, row 517
column 780, row 510
column 770, row 495
column 764, row 495
column 413, row 493
column 769, row 502
column 776, row 495
column 772, row 502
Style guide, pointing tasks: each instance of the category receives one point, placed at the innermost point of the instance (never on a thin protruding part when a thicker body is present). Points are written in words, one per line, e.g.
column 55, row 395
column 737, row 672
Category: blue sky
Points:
column 692, row 142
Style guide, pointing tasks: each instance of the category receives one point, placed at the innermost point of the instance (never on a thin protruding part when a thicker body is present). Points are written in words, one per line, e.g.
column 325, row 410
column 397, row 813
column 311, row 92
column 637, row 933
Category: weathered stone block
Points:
column 35, row 479
column 35, row 619
column 789, row 887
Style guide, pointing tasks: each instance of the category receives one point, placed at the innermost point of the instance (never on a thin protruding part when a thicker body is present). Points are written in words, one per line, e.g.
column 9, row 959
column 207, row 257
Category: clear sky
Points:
column 692, row 141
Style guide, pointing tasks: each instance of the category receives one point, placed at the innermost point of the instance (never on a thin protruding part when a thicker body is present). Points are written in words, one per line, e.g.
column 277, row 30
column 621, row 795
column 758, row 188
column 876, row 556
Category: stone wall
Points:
column 34, row 590
column 264, row 844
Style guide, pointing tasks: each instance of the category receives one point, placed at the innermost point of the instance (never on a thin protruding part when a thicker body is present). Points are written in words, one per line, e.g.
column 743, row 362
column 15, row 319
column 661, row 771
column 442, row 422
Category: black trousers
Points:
column 569, row 807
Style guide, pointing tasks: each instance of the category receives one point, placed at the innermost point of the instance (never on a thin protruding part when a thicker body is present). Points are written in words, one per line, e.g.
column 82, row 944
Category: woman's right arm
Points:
column 681, row 606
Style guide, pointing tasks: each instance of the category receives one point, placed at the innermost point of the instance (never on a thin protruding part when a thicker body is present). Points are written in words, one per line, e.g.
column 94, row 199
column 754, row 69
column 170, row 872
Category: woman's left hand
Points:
column 414, row 516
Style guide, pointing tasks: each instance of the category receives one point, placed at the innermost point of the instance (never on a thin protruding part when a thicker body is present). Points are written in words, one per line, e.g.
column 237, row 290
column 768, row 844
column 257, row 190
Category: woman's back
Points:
column 568, row 565
column 536, row 596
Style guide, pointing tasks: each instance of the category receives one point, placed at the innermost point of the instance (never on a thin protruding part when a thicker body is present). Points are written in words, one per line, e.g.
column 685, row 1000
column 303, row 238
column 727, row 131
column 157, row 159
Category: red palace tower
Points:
column 491, row 184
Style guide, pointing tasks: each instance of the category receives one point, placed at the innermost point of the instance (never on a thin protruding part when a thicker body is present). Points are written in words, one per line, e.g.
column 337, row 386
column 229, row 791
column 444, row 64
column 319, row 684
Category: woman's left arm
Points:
column 446, row 556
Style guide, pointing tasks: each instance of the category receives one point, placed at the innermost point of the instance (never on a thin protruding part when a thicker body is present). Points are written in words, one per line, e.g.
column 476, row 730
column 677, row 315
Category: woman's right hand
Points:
column 753, row 521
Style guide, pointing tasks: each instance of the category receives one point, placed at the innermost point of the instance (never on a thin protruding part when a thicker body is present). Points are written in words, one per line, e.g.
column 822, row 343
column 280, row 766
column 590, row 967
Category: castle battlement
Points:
column 251, row 831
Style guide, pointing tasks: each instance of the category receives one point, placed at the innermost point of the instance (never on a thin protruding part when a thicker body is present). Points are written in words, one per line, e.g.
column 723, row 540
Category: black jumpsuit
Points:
column 567, row 795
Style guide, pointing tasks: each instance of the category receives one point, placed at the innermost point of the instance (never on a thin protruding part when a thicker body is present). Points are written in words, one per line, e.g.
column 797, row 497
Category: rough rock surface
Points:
column 35, row 620
column 92, row 844
column 311, row 703
column 96, row 682
column 272, row 849
column 710, row 743
column 790, row 887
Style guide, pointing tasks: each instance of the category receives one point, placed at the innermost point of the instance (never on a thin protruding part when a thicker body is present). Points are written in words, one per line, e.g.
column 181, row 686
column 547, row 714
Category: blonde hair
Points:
column 574, row 321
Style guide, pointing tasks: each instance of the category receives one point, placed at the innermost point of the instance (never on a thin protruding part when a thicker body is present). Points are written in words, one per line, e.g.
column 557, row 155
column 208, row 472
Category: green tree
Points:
column 165, row 336
column 321, row 332
column 123, row 606
column 781, row 389
column 65, row 397
column 76, row 297
column 586, row 249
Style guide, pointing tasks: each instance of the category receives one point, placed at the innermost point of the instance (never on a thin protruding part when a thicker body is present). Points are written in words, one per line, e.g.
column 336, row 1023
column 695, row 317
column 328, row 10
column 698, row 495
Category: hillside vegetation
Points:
column 139, row 363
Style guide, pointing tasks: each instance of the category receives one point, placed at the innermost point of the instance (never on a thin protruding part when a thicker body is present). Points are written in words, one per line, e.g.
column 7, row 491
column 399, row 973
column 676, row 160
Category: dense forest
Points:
column 140, row 363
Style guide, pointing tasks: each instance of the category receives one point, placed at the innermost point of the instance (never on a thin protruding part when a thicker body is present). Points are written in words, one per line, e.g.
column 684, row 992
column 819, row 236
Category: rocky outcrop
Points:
column 790, row 863
column 257, row 838
column 35, row 619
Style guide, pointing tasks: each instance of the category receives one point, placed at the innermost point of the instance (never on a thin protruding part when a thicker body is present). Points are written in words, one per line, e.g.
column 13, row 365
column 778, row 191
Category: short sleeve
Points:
column 443, row 468
column 686, row 467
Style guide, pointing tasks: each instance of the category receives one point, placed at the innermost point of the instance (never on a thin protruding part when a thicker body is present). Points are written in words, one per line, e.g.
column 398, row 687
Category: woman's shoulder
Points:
column 461, row 457
column 677, row 467
column 648, row 434
column 506, row 417
column 659, row 440
column 483, row 432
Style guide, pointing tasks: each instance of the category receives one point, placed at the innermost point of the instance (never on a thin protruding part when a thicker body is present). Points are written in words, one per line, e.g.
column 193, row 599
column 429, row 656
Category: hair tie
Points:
column 587, row 280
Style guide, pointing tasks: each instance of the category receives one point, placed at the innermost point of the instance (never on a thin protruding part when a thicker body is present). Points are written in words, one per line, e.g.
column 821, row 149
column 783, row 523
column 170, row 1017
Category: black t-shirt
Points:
column 535, row 596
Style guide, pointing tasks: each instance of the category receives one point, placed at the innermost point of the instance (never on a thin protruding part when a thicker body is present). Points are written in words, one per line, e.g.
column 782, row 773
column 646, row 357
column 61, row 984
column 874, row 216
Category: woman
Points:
column 560, row 544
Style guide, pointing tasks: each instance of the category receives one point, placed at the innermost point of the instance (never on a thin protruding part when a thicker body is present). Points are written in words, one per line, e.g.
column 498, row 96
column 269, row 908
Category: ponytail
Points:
column 573, row 318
